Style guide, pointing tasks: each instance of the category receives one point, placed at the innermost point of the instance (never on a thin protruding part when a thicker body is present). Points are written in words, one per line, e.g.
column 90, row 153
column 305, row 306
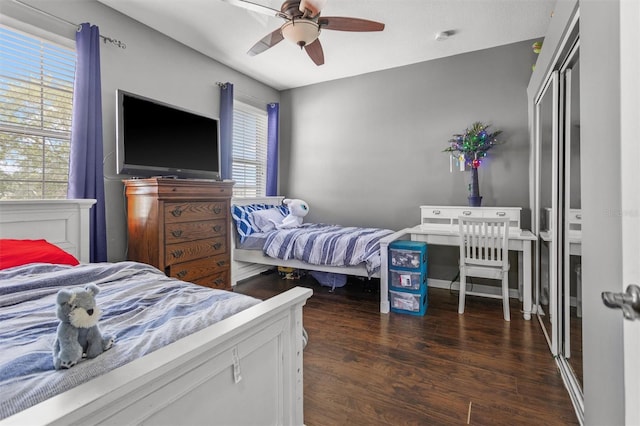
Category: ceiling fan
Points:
column 303, row 25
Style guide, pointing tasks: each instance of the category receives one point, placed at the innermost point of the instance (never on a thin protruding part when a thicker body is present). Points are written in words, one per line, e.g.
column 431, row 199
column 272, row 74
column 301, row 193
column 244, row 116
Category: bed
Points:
column 251, row 257
column 240, row 364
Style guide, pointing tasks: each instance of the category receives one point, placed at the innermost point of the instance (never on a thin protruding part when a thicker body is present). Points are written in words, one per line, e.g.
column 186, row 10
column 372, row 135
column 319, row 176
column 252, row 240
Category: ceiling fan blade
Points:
column 314, row 50
column 340, row 23
column 313, row 6
column 255, row 7
column 266, row 42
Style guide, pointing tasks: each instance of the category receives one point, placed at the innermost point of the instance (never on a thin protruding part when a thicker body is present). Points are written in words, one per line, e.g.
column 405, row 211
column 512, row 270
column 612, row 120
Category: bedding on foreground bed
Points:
column 141, row 307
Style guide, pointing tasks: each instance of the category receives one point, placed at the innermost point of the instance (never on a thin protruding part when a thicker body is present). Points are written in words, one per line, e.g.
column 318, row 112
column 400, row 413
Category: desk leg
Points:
column 526, row 303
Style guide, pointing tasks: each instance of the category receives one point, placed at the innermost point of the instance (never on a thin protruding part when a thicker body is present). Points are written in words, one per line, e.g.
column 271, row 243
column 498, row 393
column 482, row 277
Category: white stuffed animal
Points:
column 297, row 210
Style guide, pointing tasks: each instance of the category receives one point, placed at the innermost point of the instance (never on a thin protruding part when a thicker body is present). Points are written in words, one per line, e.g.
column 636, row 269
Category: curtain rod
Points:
column 105, row 39
column 245, row 95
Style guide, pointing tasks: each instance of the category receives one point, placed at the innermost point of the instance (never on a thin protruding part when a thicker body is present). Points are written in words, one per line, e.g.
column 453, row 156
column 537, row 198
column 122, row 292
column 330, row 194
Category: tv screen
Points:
column 156, row 139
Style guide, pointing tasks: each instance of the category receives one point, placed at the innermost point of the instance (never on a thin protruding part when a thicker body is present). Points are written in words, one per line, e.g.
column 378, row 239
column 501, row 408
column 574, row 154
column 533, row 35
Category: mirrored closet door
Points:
column 571, row 220
column 558, row 215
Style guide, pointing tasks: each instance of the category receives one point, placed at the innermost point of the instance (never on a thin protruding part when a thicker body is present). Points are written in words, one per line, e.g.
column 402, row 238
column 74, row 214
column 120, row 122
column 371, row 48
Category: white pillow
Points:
column 266, row 220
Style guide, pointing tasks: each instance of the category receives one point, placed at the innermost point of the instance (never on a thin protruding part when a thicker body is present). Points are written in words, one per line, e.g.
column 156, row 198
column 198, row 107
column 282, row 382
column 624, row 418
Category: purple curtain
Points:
column 273, row 114
column 226, row 129
column 86, row 177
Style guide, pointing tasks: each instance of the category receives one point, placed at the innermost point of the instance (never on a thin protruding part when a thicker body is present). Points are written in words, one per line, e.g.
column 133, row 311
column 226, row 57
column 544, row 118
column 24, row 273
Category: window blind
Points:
column 249, row 152
column 36, row 95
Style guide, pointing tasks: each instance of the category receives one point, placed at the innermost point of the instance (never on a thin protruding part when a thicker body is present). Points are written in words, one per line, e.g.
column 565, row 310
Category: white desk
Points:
column 520, row 242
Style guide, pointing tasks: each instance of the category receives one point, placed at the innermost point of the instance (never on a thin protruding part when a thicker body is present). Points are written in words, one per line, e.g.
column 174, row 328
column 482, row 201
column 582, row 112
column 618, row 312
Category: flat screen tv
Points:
column 156, row 139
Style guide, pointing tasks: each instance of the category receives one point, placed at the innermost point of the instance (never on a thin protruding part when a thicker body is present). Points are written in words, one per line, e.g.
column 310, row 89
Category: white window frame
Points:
column 51, row 131
column 249, row 150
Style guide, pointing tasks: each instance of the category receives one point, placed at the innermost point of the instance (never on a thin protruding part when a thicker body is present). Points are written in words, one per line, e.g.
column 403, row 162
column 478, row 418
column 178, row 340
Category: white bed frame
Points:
column 246, row 369
column 247, row 263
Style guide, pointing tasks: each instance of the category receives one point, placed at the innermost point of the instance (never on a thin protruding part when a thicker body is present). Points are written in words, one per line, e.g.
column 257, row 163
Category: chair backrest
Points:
column 484, row 241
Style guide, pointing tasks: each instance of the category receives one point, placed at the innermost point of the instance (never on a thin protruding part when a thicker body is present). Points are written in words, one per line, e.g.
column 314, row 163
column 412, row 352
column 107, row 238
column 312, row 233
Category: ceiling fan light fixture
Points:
column 301, row 32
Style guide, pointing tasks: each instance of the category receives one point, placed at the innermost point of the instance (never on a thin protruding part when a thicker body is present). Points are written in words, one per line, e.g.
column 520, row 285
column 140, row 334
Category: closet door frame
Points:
column 552, row 83
column 564, row 274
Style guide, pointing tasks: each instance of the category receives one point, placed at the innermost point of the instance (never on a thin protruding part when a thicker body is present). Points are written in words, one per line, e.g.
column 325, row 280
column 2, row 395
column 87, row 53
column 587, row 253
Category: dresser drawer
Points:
column 218, row 280
column 189, row 231
column 196, row 269
column 182, row 252
column 193, row 211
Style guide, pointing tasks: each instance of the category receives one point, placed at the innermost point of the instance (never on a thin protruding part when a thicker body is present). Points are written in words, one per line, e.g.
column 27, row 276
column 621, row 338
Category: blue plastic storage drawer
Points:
column 407, row 280
column 408, row 255
column 408, row 303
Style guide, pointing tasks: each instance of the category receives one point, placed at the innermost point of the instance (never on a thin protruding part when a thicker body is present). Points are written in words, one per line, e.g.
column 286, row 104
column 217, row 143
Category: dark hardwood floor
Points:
column 366, row 368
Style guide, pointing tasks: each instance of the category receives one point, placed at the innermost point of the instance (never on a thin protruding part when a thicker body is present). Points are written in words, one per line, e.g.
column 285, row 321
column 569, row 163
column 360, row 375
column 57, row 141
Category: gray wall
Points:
column 367, row 150
column 152, row 65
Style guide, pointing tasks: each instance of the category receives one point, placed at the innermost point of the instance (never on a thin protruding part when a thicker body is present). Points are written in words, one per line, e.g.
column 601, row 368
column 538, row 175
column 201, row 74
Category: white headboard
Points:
column 242, row 201
column 64, row 223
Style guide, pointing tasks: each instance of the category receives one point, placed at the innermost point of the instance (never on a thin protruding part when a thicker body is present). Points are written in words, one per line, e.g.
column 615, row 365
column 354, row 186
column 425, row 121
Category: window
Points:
column 36, row 94
column 249, row 154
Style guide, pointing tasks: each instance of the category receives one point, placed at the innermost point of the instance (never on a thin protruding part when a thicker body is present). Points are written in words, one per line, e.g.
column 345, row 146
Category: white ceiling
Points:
column 225, row 32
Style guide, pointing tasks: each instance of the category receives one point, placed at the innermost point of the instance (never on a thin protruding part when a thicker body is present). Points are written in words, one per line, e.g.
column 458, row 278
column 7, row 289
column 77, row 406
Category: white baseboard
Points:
column 243, row 270
column 473, row 289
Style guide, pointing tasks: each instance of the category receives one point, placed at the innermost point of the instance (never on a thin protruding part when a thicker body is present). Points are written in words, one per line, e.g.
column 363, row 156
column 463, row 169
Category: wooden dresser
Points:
column 181, row 227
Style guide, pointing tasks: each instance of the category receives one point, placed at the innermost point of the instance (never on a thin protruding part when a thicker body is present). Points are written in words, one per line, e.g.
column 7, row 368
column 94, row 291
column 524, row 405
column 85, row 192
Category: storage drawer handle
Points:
column 501, row 214
column 436, row 212
column 217, row 209
column 176, row 233
column 221, row 263
column 181, row 274
column 216, row 246
column 218, row 281
column 177, row 253
column 466, row 213
column 217, row 228
column 176, row 212
column 579, row 216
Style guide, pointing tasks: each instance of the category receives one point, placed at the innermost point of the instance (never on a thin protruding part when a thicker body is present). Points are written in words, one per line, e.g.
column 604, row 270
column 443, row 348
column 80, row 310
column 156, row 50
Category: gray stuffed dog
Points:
column 78, row 332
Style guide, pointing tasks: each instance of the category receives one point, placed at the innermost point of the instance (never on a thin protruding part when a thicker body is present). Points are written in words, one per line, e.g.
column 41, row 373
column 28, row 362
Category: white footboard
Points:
column 246, row 369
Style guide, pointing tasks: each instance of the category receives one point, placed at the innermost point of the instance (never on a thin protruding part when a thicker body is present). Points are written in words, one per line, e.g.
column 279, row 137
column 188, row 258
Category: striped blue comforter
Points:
column 142, row 307
column 320, row 244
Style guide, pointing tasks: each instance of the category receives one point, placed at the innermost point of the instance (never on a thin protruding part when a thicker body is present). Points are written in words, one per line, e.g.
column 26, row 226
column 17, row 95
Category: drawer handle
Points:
column 579, row 216
column 217, row 228
column 181, row 274
column 218, row 281
column 176, row 233
column 221, row 263
column 501, row 214
column 176, row 212
column 216, row 246
column 217, row 209
column 177, row 253
column 466, row 213
column 436, row 212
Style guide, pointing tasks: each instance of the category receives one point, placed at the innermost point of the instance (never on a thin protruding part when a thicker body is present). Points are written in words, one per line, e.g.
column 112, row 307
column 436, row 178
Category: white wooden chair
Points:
column 484, row 252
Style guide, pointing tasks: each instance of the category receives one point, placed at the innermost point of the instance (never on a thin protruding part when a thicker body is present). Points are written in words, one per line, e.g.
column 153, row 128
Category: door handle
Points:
column 629, row 301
